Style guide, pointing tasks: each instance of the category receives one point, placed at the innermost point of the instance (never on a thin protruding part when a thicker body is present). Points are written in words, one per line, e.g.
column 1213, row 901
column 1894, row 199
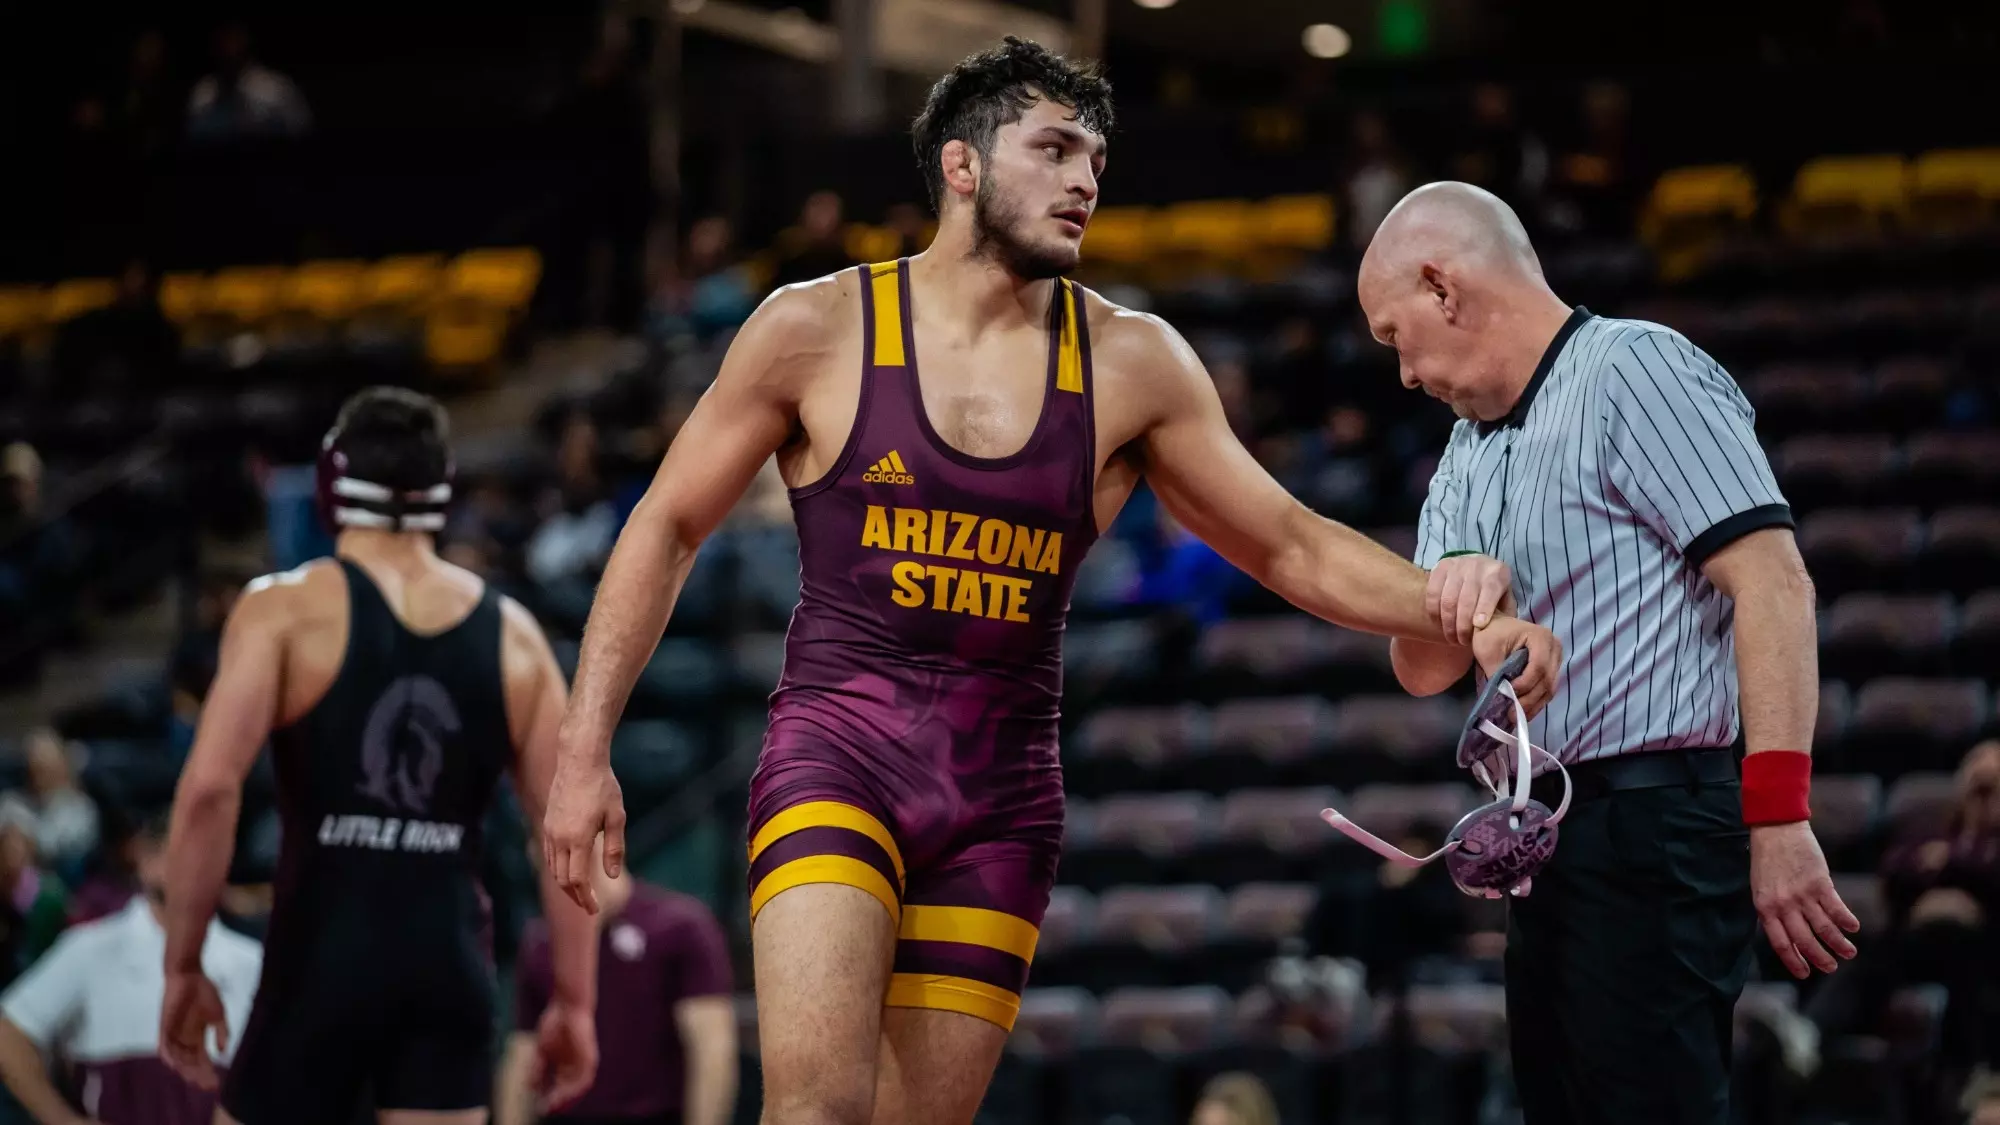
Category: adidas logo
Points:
column 889, row 470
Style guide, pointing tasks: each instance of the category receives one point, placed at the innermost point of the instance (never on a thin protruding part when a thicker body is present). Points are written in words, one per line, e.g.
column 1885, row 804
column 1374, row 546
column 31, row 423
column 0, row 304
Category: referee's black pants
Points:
column 1625, row 961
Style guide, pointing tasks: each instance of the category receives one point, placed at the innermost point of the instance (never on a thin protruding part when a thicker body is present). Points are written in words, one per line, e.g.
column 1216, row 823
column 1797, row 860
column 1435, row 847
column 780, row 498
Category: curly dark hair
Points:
column 395, row 437
column 994, row 88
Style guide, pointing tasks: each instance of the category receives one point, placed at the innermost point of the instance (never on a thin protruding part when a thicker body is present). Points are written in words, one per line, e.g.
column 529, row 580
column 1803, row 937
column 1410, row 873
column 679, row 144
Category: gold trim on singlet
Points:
column 886, row 288
column 1069, row 353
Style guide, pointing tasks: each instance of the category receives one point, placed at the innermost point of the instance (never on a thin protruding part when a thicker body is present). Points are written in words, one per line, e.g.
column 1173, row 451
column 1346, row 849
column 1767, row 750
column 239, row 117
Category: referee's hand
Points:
column 1536, row 684
column 1802, row 914
column 1466, row 592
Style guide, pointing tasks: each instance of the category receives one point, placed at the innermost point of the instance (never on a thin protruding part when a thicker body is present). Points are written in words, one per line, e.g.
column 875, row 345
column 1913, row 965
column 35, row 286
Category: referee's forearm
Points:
column 1777, row 663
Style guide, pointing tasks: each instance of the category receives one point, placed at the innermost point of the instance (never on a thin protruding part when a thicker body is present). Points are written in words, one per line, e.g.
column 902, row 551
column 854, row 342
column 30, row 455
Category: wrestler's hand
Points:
column 1802, row 914
column 1537, row 682
column 1465, row 592
column 565, row 1062
column 190, row 1008
column 584, row 802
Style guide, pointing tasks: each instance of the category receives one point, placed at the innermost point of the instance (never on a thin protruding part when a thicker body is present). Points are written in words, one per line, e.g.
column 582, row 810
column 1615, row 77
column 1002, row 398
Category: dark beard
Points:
column 994, row 222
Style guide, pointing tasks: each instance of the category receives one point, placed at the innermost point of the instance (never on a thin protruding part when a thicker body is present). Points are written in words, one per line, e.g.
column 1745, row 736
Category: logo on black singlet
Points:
column 402, row 751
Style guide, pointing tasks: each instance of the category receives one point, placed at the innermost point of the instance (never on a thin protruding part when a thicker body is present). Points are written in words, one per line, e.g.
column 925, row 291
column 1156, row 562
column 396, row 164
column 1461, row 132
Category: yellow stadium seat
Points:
column 405, row 281
column 183, row 296
column 329, row 290
column 23, row 308
column 1118, row 234
column 1295, row 222
column 505, row 278
column 1214, row 228
column 246, row 294
column 1708, row 190
column 464, row 335
column 79, row 296
column 865, row 243
column 1955, row 189
column 1843, row 195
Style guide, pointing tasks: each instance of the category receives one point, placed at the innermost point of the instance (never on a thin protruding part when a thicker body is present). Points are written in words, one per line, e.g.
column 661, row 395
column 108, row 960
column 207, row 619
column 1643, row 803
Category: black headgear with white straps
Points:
column 347, row 500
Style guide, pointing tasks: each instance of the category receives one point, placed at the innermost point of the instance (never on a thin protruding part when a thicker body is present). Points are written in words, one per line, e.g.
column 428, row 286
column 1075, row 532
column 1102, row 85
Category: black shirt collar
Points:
column 1519, row 413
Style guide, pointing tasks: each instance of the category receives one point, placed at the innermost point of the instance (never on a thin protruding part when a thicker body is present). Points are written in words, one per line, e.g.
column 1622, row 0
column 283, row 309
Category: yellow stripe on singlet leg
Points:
column 886, row 284
column 1069, row 353
column 825, row 814
column 970, row 925
column 954, row 994
column 843, row 870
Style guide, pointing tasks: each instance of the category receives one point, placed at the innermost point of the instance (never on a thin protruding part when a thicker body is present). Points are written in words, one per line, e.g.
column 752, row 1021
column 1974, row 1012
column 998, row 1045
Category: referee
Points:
column 1604, row 480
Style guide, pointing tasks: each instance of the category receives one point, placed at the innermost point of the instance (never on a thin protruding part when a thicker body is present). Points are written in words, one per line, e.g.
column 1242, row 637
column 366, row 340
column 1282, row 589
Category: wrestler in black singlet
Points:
column 378, row 980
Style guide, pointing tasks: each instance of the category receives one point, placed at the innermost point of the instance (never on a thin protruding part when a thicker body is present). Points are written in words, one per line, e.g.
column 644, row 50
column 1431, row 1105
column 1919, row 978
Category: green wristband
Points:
column 1455, row 554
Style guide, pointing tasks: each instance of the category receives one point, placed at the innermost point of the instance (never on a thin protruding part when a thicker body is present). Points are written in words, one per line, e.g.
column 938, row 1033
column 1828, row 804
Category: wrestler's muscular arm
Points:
column 748, row 414
column 1210, row 483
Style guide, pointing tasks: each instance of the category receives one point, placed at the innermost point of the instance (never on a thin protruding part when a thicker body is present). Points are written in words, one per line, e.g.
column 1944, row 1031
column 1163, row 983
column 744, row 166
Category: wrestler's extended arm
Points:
column 749, row 412
column 1205, row 477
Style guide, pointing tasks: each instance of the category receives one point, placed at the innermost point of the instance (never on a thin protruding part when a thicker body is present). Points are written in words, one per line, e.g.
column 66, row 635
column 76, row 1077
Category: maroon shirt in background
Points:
column 661, row 949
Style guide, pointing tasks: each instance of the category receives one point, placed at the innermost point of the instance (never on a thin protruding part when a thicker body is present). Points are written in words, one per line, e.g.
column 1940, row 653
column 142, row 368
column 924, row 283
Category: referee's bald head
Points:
column 1451, row 282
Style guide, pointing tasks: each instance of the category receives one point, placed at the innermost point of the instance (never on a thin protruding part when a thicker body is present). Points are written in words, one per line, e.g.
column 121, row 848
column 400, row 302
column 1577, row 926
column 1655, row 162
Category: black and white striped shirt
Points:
column 1629, row 460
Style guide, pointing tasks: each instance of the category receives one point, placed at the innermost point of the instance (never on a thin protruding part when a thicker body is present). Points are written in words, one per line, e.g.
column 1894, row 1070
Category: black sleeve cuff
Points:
column 1729, row 530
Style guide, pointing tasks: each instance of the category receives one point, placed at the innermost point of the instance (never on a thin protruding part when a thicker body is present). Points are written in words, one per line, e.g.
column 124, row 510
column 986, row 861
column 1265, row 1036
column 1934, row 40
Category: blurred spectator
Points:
column 113, row 876
column 148, row 110
column 243, row 98
column 1183, row 573
column 1340, row 472
column 579, row 524
column 126, row 347
column 813, row 248
column 33, row 903
column 37, row 555
column 708, row 294
column 1942, row 883
column 1235, row 1098
column 913, row 230
column 1981, row 1100
column 1595, row 179
column 666, row 1022
column 1499, row 154
column 1377, row 180
column 65, row 819
column 93, row 1005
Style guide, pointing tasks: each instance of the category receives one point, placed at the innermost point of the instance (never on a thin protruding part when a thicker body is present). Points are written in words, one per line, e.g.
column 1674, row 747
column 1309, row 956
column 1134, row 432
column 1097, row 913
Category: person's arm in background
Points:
column 749, row 412
column 514, row 1099
column 32, row 1015
column 706, row 1016
column 235, row 723
column 567, row 1032
column 1210, row 483
column 1679, row 444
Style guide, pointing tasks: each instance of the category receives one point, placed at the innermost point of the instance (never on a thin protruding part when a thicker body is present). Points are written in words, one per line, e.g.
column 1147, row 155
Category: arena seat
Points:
column 1263, row 835
column 1208, row 228
column 1791, row 398
column 1257, row 919
column 1952, row 467
column 1903, row 724
column 1885, row 321
column 1167, row 1019
column 1863, row 895
column 1847, row 816
column 1962, row 551
column 327, row 290
column 1909, row 392
column 1846, row 195
column 1136, row 838
column 245, row 296
column 1390, row 810
column 1690, row 209
column 1264, row 655
column 1457, row 1018
column 1919, row 802
column 1293, row 222
column 1824, row 469
column 464, row 336
column 1120, row 234
column 1263, row 741
column 404, row 282
column 1132, row 747
column 503, row 278
column 1413, row 732
column 1978, row 645
column 1869, row 635
column 1836, row 710
column 1955, row 190
column 73, row 298
column 1913, row 1022
column 1149, row 936
column 23, row 309
column 1071, row 917
column 1849, row 549
column 1054, row 1021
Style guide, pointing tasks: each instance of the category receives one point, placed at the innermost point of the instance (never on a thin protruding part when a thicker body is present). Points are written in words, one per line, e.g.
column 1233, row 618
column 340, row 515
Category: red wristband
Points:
column 1775, row 786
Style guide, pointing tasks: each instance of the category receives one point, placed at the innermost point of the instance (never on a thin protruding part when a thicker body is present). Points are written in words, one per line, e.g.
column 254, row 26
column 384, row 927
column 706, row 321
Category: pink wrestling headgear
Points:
column 1495, row 849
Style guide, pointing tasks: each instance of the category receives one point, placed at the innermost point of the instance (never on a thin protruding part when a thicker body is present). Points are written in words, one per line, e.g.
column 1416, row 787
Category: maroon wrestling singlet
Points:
column 912, row 744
